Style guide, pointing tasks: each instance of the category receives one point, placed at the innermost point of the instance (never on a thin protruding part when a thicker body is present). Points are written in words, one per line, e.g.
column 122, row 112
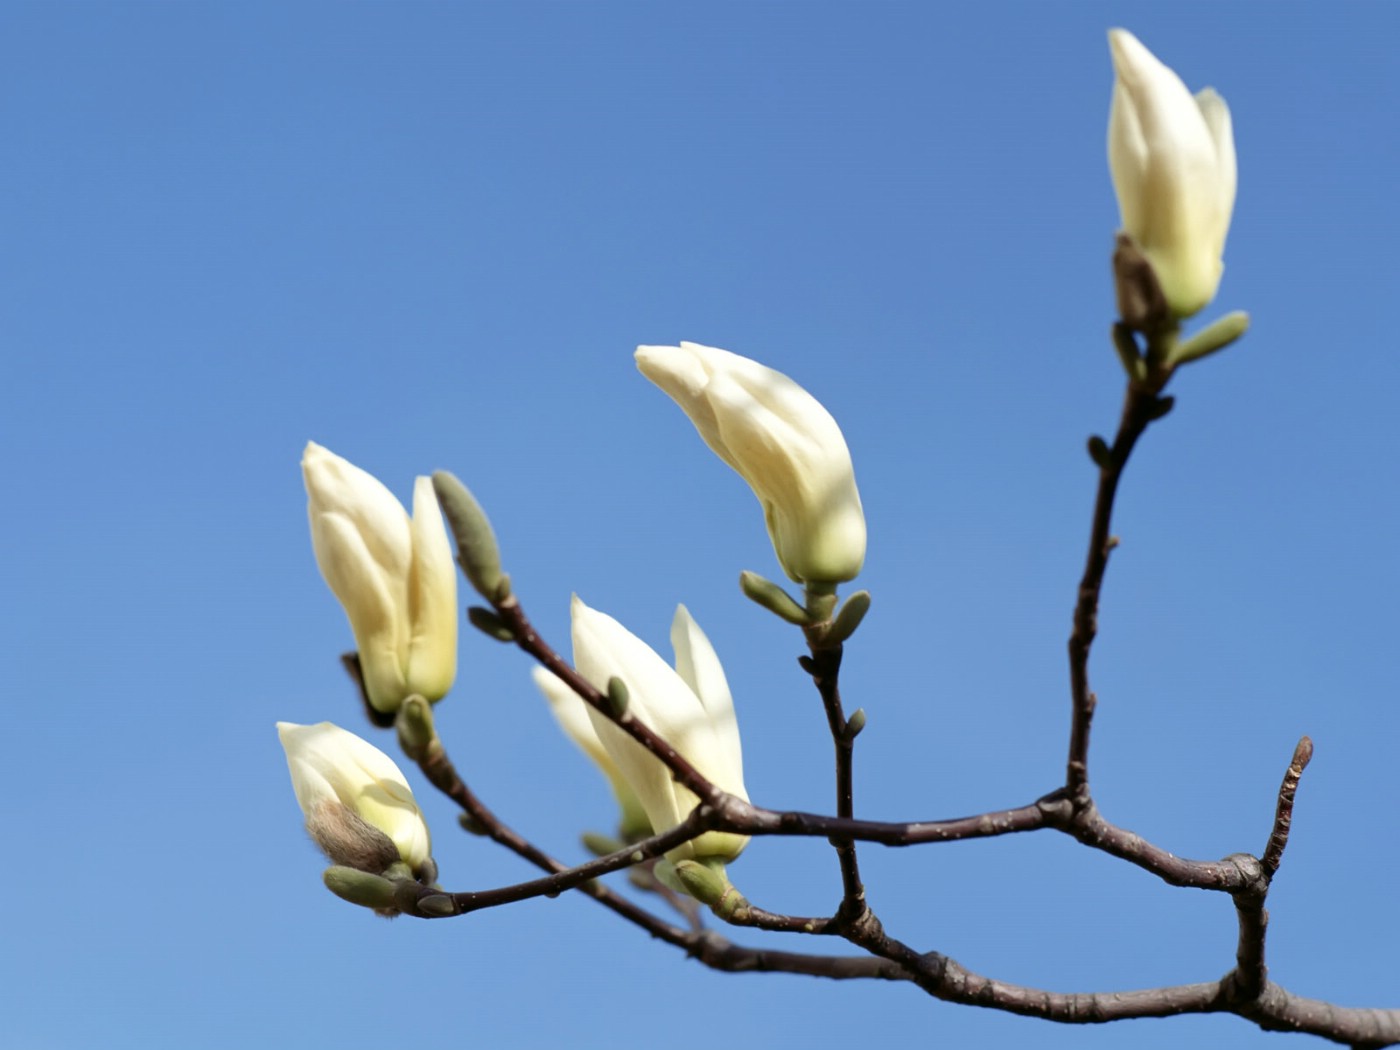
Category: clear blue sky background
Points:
column 430, row 235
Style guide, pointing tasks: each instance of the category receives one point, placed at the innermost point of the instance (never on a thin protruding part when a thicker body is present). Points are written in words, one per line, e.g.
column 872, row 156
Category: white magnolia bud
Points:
column 783, row 443
column 356, row 802
column 393, row 575
column 1172, row 157
column 690, row 707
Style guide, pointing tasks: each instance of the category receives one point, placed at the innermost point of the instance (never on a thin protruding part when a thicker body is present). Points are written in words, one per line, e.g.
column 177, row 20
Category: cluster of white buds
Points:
column 1172, row 158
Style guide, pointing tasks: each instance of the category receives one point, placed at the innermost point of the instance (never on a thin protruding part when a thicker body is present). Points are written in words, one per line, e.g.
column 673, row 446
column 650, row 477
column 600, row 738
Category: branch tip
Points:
column 1283, row 813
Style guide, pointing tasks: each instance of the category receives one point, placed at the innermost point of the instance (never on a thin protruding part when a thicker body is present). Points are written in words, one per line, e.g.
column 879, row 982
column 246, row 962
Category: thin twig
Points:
column 1140, row 403
column 747, row 915
column 1283, row 814
column 1246, row 982
column 710, row 949
column 824, row 665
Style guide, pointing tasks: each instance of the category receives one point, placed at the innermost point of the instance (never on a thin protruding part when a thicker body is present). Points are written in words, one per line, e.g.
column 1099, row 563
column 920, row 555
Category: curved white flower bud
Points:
column 1172, row 157
column 571, row 713
column 359, row 808
column 691, row 708
column 393, row 575
column 783, row 443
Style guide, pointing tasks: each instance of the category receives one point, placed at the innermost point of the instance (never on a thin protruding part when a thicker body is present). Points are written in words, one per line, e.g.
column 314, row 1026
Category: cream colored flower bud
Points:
column 356, row 802
column 690, row 707
column 1172, row 157
column 783, row 443
column 393, row 575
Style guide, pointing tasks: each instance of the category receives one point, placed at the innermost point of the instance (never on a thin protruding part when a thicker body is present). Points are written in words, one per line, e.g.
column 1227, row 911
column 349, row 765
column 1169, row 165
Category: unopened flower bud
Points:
column 393, row 575
column 783, row 443
column 1172, row 157
column 359, row 808
column 690, row 707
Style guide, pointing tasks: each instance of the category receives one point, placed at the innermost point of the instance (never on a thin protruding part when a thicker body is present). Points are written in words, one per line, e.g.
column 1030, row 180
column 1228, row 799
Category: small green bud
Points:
column 359, row 887
column 1213, row 337
column 1100, row 453
column 415, row 725
column 437, row 904
column 855, row 723
column 598, row 844
column 701, row 881
column 852, row 612
column 708, row 882
column 618, row 698
column 471, row 825
column 477, row 551
column 773, row 598
column 489, row 624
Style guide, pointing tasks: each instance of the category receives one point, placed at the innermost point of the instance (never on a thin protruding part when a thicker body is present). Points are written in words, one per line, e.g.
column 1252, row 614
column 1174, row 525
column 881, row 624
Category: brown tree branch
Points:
column 1245, row 991
column 706, row 946
column 1141, row 405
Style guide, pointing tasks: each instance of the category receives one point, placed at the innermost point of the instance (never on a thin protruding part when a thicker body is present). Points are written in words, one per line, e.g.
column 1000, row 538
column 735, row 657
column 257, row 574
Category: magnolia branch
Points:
column 705, row 946
column 791, row 452
column 1273, row 1008
column 1071, row 810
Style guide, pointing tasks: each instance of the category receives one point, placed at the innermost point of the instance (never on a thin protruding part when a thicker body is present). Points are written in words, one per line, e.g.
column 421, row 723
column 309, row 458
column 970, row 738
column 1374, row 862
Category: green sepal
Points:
column 477, row 551
column 489, row 624
column 415, row 727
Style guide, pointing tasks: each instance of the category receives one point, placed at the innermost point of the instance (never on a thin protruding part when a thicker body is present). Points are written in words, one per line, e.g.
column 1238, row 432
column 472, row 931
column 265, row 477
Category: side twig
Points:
column 824, row 665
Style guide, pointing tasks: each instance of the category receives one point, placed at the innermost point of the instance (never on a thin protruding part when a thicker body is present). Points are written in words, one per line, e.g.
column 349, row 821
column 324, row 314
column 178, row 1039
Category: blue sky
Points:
column 430, row 235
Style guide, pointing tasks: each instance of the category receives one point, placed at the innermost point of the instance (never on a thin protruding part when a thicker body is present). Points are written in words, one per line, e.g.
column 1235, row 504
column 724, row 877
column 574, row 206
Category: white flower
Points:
column 393, row 575
column 783, row 443
column 690, row 707
column 1172, row 157
column 346, row 787
column 571, row 713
